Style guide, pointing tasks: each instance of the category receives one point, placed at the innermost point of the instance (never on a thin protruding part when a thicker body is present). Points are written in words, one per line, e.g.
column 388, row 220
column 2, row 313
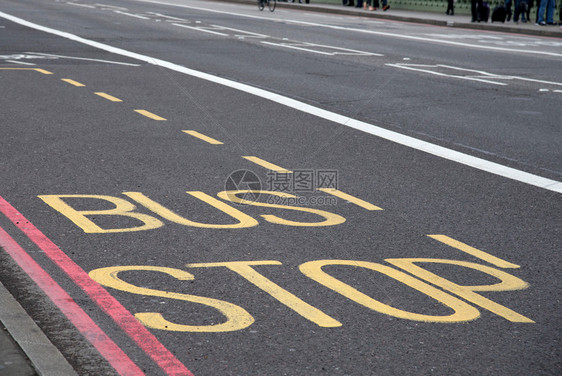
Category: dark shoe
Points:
column 385, row 8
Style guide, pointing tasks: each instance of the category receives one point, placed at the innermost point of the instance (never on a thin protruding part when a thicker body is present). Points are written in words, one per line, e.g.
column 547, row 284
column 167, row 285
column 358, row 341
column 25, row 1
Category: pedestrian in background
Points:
column 521, row 7
column 529, row 6
column 537, row 16
column 475, row 7
column 508, row 12
column 376, row 5
column 547, row 6
column 450, row 7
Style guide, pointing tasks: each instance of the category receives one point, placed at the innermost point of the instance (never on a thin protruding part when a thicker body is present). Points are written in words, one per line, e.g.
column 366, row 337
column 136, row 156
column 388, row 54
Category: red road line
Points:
column 97, row 337
column 128, row 323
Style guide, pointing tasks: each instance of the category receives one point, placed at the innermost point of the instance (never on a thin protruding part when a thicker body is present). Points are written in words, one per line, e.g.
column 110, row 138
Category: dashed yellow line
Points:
column 201, row 136
column 72, row 82
column 42, row 71
column 344, row 196
column 150, row 115
column 268, row 165
column 108, row 97
column 33, row 69
column 474, row 251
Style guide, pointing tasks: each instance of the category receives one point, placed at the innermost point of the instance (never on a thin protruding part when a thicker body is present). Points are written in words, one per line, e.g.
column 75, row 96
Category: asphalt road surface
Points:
column 196, row 187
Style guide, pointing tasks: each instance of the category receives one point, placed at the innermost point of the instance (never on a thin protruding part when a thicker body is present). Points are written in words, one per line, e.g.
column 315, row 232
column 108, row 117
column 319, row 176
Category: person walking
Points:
column 521, row 7
column 450, row 7
column 528, row 12
column 508, row 11
column 475, row 8
column 547, row 6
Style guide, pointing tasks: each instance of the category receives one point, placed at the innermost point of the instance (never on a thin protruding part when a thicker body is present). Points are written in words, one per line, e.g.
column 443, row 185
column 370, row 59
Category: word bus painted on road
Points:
column 126, row 210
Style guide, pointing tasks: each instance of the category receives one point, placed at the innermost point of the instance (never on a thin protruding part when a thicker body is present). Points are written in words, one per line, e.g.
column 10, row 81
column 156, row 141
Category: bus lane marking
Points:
column 72, row 82
column 111, row 306
column 448, row 293
column 237, row 318
column 347, row 197
column 108, row 97
column 150, row 115
column 43, row 71
column 203, row 137
column 474, row 252
column 245, row 270
column 267, row 165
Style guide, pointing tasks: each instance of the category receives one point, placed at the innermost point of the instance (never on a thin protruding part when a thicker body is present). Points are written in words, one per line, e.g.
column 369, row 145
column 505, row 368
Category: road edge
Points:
column 45, row 358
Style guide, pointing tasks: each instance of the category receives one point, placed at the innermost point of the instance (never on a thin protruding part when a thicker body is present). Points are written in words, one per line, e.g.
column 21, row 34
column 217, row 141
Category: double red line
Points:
column 84, row 323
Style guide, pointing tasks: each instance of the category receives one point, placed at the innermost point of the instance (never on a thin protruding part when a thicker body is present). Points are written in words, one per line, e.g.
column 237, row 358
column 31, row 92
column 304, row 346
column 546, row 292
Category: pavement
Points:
column 24, row 348
column 25, row 351
column 428, row 18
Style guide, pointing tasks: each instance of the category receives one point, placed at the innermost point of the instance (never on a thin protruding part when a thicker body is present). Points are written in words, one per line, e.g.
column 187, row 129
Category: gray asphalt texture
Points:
column 74, row 152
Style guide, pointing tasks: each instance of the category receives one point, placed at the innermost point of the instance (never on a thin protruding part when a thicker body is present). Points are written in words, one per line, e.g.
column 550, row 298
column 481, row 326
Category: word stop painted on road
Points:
column 461, row 300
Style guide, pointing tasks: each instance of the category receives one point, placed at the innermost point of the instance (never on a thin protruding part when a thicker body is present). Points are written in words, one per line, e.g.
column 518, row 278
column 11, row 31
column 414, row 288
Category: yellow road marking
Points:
column 108, row 97
column 42, row 71
column 34, row 69
column 267, row 165
column 149, row 115
column 474, row 252
column 72, row 82
column 203, row 137
column 344, row 196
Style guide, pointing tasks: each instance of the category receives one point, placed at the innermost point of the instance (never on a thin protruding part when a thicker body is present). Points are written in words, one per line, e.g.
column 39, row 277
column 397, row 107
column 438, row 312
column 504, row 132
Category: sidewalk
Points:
column 24, row 349
column 429, row 18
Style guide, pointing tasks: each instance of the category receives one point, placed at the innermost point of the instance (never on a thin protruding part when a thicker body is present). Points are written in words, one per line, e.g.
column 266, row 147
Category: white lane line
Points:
column 241, row 31
column 169, row 17
column 407, row 67
column 110, row 6
column 82, row 5
column 131, row 15
column 18, row 62
column 439, row 151
column 388, row 34
column 83, row 58
column 497, row 76
column 294, row 47
column 309, row 47
column 200, row 29
column 479, row 75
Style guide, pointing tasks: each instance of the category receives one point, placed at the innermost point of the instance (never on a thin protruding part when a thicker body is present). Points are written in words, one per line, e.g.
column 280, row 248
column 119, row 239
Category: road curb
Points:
column 43, row 355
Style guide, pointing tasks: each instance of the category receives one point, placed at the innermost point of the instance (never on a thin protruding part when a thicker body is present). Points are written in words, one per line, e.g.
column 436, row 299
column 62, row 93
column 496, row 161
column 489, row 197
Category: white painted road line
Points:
column 131, row 15
column 312, row 47
column 110, row 6
column 440, row 151
column 82, row 58
column 18, row 62
column 409, row 67
column 199, row 28
column 81, row 5
column 364, row 31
